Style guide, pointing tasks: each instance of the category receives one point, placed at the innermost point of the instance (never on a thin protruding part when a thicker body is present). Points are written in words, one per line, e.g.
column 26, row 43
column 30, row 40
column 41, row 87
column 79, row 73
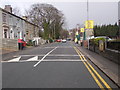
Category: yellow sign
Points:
column 82, row 30
column 76, row 33
column 89, row 24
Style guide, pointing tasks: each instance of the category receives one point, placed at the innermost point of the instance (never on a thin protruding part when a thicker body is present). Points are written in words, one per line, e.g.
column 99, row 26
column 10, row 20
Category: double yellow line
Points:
column 93, row 71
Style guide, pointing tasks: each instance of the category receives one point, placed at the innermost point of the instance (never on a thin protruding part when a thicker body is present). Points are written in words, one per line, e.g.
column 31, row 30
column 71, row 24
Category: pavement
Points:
column 108, row 67
column 5, row 51
column 56, row 65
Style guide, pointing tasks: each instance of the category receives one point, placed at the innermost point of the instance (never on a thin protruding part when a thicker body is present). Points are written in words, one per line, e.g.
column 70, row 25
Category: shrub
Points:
column 30, row 43
column 96, row 40
column 50, row 40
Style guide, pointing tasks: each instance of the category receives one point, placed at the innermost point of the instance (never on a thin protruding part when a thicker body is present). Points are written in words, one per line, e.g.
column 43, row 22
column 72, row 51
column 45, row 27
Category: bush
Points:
column 96, row 40
column 50, row 40
column 30, row 43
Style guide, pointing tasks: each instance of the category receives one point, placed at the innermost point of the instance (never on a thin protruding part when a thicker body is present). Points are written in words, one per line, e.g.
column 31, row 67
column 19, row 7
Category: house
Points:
column 13, row 27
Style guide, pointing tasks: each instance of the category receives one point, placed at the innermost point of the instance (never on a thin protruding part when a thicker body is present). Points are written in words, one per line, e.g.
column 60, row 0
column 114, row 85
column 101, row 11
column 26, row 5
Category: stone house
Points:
column 13, row 27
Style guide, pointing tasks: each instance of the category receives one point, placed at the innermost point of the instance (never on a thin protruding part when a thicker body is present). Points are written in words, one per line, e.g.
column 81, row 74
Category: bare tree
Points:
column 64, row 34
column 16, row 11
column 47, row 17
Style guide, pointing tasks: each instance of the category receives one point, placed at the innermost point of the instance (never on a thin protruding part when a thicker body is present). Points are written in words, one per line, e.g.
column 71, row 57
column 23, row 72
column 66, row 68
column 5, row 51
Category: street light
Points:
column 84, row 38
column 87, row 10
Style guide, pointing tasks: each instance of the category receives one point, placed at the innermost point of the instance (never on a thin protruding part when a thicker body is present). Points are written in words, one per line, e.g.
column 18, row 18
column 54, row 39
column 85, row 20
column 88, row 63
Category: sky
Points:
column 75, row 11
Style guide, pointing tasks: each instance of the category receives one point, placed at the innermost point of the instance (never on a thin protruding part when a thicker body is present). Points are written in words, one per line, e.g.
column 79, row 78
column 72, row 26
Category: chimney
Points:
column 8, row 8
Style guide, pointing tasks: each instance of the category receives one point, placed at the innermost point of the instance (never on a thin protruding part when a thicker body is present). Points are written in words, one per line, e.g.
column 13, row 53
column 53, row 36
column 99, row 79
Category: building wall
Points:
column 13, row 28
column 16, row 27
column 0, row 29
column 31, row 31
column 36, row 31
column 89, row 32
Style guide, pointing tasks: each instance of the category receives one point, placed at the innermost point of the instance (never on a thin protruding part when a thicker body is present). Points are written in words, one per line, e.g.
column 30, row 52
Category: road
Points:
column 57, row 65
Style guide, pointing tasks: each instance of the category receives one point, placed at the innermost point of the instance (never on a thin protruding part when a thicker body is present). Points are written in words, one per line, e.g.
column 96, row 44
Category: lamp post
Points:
column 119, row 18
column 85, row 34
column 87, row 10
column 84, row 38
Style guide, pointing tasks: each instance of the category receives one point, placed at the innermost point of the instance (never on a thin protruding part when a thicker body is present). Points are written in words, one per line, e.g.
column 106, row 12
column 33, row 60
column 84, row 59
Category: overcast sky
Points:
column 75, row 11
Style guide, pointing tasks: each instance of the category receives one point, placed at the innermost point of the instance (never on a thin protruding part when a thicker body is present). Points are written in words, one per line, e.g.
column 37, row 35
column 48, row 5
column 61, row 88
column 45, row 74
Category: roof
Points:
column 16, row 16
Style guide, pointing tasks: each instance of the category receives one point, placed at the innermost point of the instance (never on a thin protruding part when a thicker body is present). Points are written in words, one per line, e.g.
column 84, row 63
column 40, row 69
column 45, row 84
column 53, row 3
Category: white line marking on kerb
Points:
column 45, row 56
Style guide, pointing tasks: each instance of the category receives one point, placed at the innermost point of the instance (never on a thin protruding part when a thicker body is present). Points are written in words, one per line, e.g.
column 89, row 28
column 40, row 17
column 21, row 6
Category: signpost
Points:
column 89, row 25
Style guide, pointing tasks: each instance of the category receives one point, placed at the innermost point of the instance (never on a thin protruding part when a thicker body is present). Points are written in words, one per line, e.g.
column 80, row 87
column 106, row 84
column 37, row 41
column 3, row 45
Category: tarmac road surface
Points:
column 57, row 65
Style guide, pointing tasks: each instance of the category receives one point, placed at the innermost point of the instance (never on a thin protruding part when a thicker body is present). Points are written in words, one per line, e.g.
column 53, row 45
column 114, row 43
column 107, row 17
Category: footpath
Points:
column 5, row 51
column 8, row 54
column 108, row 67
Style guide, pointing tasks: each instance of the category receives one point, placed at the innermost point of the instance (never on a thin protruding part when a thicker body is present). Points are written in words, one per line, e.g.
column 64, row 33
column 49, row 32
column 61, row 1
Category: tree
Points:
column 107, row 30
column 64, row 34
column 16, row 11
column 48, row 18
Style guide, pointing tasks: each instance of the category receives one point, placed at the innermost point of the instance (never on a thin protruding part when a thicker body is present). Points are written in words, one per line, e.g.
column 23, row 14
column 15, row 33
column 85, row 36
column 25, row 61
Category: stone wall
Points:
column 10, row 44
column 110, row 54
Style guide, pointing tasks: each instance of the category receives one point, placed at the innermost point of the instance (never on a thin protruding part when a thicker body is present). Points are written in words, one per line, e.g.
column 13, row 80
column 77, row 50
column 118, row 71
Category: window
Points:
column 4, row 17
column 5, row 33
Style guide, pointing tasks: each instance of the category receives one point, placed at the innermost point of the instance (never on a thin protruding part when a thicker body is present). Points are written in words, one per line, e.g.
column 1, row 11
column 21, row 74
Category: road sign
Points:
column 82, row 30
column 89, row 24
column 76, row 33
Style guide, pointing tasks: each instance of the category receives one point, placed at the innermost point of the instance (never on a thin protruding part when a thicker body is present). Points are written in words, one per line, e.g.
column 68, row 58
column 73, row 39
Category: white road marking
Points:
column 61, row 47
column 49, row 55
column 55, row 60
column 65, row 47
column 45, row 56
column 48, row 60
column 15, row 59
column 29, row 55
column 33, row 59
column 49, row 47
column 67, row 60
column 62, row 55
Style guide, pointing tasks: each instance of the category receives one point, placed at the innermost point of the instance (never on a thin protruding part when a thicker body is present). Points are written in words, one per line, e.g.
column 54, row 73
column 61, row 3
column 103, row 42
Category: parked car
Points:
column 106, row 37
column 64, row 41
column 58, row 40
column 68, row 39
